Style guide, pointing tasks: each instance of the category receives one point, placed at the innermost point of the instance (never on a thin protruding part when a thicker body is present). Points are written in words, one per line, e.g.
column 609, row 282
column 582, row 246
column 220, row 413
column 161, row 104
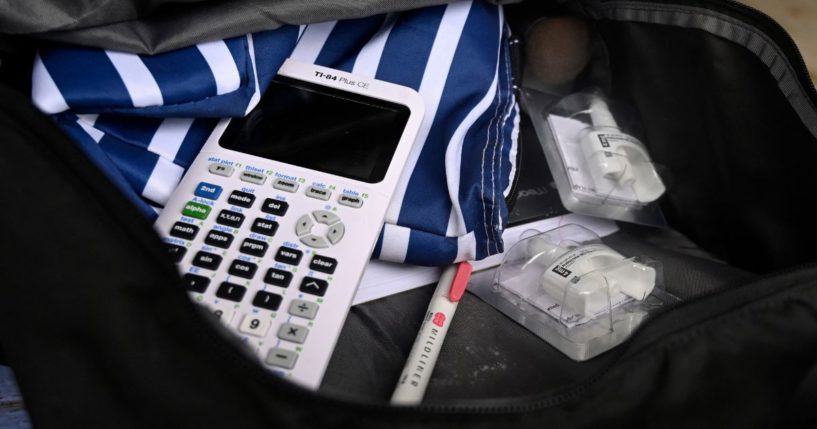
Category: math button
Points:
column 184, row 230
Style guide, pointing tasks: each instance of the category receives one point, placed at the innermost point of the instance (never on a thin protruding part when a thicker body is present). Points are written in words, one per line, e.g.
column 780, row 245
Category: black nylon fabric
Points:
column 160, row 25
column 739, row 156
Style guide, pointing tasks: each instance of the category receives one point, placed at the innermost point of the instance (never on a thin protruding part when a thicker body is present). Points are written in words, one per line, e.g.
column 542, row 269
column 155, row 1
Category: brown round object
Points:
column 558, row 49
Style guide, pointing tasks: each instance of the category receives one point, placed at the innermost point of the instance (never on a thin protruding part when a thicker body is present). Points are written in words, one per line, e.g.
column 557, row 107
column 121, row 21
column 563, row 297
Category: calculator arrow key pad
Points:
column 255, row 246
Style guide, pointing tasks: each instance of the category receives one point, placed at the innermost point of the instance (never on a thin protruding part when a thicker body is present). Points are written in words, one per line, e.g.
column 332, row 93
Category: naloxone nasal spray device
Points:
column 616, row 156
column 586, row 277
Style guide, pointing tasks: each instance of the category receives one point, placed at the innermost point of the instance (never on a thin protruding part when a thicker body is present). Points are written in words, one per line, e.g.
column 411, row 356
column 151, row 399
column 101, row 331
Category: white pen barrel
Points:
column 411, row 385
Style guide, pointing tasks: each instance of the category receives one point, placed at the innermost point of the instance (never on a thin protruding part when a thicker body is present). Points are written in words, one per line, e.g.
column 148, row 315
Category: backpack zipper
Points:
column 778, row 34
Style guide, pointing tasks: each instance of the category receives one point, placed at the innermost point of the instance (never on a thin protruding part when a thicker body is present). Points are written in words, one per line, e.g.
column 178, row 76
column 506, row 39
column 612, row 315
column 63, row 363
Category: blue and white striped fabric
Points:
column 144, row 118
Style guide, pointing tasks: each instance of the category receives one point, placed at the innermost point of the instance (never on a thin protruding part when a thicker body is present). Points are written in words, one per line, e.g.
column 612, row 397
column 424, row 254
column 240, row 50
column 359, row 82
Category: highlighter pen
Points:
column 420, row 363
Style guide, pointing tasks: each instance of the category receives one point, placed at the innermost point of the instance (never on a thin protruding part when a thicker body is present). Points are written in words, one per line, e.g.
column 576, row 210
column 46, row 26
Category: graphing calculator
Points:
column 274, row 222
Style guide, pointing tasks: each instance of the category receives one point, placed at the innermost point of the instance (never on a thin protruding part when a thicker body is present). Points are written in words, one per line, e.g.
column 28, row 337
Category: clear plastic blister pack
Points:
column 573, row 291
column 600, row 168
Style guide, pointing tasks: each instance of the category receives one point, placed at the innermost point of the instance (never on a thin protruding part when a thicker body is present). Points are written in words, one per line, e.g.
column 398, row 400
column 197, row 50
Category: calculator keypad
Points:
column 242, row 268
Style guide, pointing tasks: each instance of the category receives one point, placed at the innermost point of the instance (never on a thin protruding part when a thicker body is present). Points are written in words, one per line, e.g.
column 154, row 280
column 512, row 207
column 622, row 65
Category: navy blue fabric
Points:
column 450, row 203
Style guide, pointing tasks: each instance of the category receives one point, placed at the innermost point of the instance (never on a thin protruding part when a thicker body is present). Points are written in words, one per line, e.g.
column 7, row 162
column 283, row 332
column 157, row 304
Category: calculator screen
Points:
column 320, row 128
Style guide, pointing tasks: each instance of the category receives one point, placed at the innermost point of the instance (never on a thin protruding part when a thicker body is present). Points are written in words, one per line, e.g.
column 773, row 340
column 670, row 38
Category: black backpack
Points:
column 100, row 333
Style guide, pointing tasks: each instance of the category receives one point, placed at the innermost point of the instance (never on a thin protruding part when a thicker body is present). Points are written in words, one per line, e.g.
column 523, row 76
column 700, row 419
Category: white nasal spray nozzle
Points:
column 586, row 277
column 616, row 156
